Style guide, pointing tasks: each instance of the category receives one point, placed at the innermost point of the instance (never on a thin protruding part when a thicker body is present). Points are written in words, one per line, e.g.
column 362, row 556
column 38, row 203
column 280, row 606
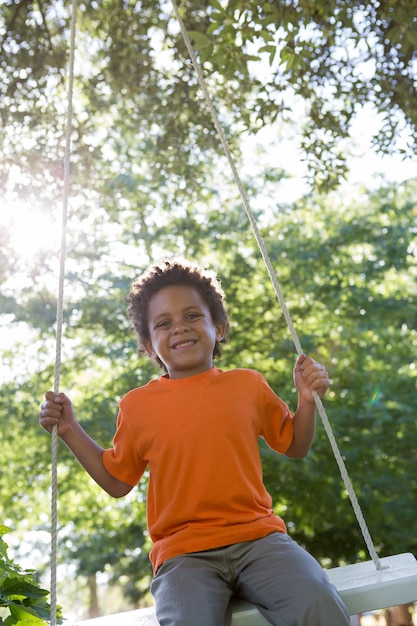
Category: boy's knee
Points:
column 321, row 603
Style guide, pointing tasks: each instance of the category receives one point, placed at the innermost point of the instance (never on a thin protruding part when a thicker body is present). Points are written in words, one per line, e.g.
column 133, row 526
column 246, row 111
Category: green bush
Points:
column 20, row 593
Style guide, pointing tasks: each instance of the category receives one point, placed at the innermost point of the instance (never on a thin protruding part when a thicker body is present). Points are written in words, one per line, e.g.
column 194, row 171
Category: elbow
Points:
column 296, row 455
column 302, row 454
column 297, row 451
column 300, row 445
column 118, row 490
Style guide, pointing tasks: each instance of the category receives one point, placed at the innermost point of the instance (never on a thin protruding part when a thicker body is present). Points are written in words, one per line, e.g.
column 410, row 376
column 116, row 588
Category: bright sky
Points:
column 31, row 228
column 365, row 166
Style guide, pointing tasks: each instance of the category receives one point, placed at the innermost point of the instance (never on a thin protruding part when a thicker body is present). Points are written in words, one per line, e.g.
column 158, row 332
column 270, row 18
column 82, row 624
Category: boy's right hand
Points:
column 57, row 409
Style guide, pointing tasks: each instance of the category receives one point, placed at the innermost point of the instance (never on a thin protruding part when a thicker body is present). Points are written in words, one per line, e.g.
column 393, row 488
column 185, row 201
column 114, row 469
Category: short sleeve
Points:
column 122, row 460
column 277, row 426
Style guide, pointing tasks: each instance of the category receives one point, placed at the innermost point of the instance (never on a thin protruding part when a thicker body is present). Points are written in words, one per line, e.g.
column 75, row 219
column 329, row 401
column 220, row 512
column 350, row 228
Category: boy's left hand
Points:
column 310, row 376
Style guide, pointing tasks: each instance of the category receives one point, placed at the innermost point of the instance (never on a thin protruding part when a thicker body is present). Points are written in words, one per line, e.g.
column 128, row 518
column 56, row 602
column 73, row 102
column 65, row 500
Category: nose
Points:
column 180, row 327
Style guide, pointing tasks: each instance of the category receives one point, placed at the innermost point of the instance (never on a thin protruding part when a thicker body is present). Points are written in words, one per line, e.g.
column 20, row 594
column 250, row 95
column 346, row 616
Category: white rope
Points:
column 60, row 315
column 341, row 464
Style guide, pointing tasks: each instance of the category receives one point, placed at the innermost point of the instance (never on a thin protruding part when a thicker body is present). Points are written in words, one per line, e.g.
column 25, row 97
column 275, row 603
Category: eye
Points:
column 193, row 316
column 162, row 324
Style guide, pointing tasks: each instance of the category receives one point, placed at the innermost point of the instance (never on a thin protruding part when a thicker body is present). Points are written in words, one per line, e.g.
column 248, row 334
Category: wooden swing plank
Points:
column 362, row 587
column 244, row 614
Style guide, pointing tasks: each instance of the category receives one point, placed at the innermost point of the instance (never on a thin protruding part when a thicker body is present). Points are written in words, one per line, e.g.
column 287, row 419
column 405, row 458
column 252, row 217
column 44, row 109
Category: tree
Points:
column 335, row 57
column 147, row 180
column 331, row 58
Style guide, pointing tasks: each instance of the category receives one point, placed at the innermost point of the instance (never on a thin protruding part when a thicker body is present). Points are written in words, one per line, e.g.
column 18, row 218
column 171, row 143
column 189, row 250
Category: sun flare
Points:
column 29, row 229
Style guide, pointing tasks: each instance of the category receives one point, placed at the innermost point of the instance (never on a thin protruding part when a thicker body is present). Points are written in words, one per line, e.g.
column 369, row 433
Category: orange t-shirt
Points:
column 199, row 438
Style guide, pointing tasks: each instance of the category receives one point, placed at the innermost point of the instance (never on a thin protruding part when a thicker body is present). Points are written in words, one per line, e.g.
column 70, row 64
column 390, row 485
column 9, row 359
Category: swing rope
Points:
column 60, row 314
column 263, row 250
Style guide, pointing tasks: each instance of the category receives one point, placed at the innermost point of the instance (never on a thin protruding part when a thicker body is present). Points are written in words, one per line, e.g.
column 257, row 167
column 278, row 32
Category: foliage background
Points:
column 148, row 179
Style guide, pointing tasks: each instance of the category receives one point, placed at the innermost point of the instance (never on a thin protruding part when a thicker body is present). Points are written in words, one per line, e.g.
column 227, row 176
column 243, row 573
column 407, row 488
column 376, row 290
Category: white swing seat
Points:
column 362, row 587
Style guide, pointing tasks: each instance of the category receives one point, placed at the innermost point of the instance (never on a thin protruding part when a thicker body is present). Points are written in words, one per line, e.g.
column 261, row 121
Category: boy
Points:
column 209, row 515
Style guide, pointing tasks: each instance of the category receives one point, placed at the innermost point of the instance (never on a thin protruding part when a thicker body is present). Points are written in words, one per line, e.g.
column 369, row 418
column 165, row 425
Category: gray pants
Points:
column 285, row 582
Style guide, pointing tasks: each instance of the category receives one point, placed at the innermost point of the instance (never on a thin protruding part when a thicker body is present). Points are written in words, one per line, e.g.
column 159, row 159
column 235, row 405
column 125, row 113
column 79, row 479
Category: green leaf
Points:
column 200, row 40
column 216, row 4
column 18, row 587
column 26, row 617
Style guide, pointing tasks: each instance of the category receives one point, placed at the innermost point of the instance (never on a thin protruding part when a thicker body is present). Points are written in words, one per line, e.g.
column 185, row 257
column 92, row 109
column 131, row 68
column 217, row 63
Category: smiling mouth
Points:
column 184, row 344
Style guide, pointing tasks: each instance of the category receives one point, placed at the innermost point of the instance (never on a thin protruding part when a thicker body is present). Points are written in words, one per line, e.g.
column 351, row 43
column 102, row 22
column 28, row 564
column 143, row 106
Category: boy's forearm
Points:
column 304, row 430
column 90, row 455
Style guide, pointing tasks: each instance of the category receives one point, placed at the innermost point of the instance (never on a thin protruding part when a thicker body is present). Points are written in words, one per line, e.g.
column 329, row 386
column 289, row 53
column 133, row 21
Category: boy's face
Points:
column 182, row 332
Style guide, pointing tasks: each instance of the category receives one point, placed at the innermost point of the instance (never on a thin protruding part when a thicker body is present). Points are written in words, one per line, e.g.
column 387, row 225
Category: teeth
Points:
column 183, row 344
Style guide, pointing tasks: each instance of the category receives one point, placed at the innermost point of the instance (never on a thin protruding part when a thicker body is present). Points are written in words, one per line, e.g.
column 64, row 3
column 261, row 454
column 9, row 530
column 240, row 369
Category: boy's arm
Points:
column 57, row 410
column 309, row 376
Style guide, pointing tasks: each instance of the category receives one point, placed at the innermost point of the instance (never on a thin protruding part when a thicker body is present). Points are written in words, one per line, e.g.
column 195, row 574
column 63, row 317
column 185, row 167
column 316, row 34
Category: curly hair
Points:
column 167, row 273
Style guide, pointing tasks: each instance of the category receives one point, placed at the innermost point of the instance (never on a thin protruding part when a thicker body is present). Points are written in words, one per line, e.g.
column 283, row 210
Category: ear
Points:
column 220, row 331
column 149, row 349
